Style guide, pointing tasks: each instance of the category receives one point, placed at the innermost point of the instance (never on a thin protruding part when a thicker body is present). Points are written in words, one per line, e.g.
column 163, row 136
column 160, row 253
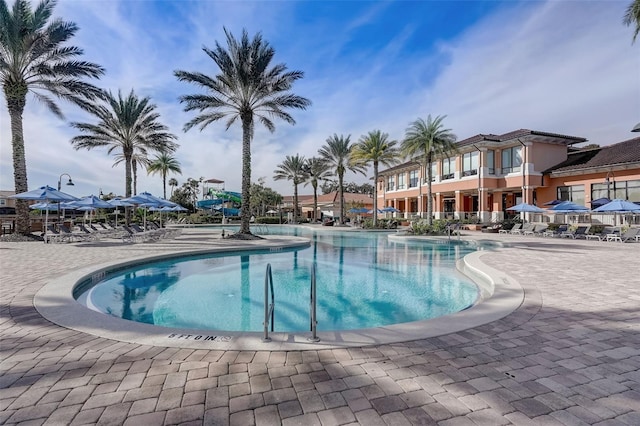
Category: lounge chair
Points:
column 515, row 230
column 579, row 232
column 527, row 227
column 557, row 232
column 602, row 236
column 630, row 234
column 537, row 230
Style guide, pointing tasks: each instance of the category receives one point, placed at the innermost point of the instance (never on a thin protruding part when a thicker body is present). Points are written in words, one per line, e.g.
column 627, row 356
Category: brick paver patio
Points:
column 569, row 355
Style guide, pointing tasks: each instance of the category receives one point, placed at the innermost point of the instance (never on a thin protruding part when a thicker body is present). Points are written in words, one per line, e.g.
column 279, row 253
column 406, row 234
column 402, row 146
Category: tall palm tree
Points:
column 139, row 157
column 376, row 148
column 173, row 182
column 33, row 59
column 125, row 126
column 632, row 18
column 337, row 154
column 317, row 170
column 248, row 88
column 293, row 169
column 427, row 140
column 163, row 164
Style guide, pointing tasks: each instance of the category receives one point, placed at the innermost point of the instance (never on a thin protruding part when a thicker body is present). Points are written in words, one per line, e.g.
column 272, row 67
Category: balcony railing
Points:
column 469, row 172
column 449, row 176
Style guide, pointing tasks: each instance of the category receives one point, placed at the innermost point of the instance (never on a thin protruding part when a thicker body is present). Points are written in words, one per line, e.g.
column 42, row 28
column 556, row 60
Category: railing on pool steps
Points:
column 268, row 308
column 312, row 307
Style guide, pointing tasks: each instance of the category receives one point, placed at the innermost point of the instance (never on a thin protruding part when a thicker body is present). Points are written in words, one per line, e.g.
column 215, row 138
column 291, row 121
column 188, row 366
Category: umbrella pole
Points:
column 46, row 225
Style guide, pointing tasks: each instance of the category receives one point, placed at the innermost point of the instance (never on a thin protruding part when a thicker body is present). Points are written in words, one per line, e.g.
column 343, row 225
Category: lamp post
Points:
column 69, row 183
column 607, row 180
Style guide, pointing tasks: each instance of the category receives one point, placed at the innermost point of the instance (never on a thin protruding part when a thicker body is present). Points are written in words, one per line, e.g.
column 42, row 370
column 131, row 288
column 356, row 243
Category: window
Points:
column 401, row 177
column 434, row 172
column 511, row 159
column 391, row 186
column 3, row 202
column 448, row 168
column 470, row 163
column 625, row 190
column 491, row 161
column 573, row 193
column 599, row 190
column 413, row 178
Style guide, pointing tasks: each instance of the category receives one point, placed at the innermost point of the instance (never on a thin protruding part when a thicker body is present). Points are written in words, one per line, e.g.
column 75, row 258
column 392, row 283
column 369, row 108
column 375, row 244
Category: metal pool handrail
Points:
column 312, row 307
column 268, row 308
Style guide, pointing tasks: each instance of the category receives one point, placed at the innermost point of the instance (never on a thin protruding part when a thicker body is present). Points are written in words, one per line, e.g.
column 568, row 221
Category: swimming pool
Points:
column 363, row 279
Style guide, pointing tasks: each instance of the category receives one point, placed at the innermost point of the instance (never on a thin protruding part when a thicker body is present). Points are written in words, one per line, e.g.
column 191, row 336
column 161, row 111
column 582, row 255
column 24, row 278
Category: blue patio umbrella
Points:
column 46, row 194
column 526, row 208
column 92, row 201
column 568, row 207
column 390, row 210
column 552, row 203
column 119, row 202
column 371, row 211
column 599, row 202
column 53, row 207
column 358, row 210
column 147, row 200
column 618, row 206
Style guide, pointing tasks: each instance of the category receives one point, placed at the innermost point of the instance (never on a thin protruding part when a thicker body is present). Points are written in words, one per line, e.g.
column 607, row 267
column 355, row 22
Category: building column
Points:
column 497, row 214
column 483, row 205
column 459, row 211
column 437, row 206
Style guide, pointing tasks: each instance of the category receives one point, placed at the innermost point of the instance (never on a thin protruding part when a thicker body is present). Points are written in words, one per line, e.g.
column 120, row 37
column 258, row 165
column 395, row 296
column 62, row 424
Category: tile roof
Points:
column 518, row 134
column 627, row 152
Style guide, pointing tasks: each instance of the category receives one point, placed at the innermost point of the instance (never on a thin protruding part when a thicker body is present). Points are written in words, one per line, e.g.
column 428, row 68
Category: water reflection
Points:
column 363, row 280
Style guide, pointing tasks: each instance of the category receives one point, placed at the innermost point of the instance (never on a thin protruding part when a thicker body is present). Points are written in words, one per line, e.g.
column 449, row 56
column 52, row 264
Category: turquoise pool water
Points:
column 363, row 280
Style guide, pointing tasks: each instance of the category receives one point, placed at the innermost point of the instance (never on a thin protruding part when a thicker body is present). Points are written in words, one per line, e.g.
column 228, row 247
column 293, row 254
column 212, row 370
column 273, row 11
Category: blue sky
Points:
column 559, row 66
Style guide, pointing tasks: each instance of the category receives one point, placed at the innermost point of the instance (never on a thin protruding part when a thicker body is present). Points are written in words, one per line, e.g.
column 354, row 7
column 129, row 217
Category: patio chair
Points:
column 557, row 232
column 602, row 236
column 537, row 230
column 579, row 232
column 630, row 234
column 527, row 227
column 515, row 230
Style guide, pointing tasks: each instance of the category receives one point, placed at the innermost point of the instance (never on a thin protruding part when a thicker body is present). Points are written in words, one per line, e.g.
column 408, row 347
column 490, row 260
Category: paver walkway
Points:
column 569, row 355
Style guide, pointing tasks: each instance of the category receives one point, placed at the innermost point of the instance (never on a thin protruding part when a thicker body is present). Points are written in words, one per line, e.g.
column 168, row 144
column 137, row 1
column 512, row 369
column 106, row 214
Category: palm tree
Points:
column 126, row 126
column 317, row 170
column 337, row 154
column 375, row 148
column 248, row 88
column 427, row 140
column 293, row 169
column 139, row 157
column 33, row 59
column 163, row 164
column 173, row 182
column 632, row 18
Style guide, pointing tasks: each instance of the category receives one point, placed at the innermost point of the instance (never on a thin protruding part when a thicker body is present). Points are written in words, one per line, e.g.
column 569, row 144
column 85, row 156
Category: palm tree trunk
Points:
column 134, row 169
column 127, row 189
column 341, row 195
column 375, row 194
column 246, row 173
column 16, row 107
column 315, row 201
column 295, row 202
column 164, row 185
column 429, row 195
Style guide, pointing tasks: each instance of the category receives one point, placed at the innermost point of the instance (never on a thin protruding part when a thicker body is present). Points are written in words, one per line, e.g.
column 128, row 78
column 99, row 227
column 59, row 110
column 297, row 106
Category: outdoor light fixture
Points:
column 70, row 183
column 607, row 180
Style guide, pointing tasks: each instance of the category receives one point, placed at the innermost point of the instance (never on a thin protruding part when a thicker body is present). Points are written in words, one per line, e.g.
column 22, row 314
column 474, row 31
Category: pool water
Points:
column 363, row 280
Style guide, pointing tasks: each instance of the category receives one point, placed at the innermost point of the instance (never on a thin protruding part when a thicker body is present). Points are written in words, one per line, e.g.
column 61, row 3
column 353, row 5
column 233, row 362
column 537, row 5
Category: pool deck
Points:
column 568, row 355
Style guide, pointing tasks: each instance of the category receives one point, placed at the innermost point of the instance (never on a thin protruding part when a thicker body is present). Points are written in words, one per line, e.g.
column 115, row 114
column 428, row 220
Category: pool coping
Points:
column 501, row 295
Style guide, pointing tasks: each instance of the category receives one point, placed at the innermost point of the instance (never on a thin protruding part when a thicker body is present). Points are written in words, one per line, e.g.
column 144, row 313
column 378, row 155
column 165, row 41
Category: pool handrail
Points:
column 312, row 307
column 268, row 309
